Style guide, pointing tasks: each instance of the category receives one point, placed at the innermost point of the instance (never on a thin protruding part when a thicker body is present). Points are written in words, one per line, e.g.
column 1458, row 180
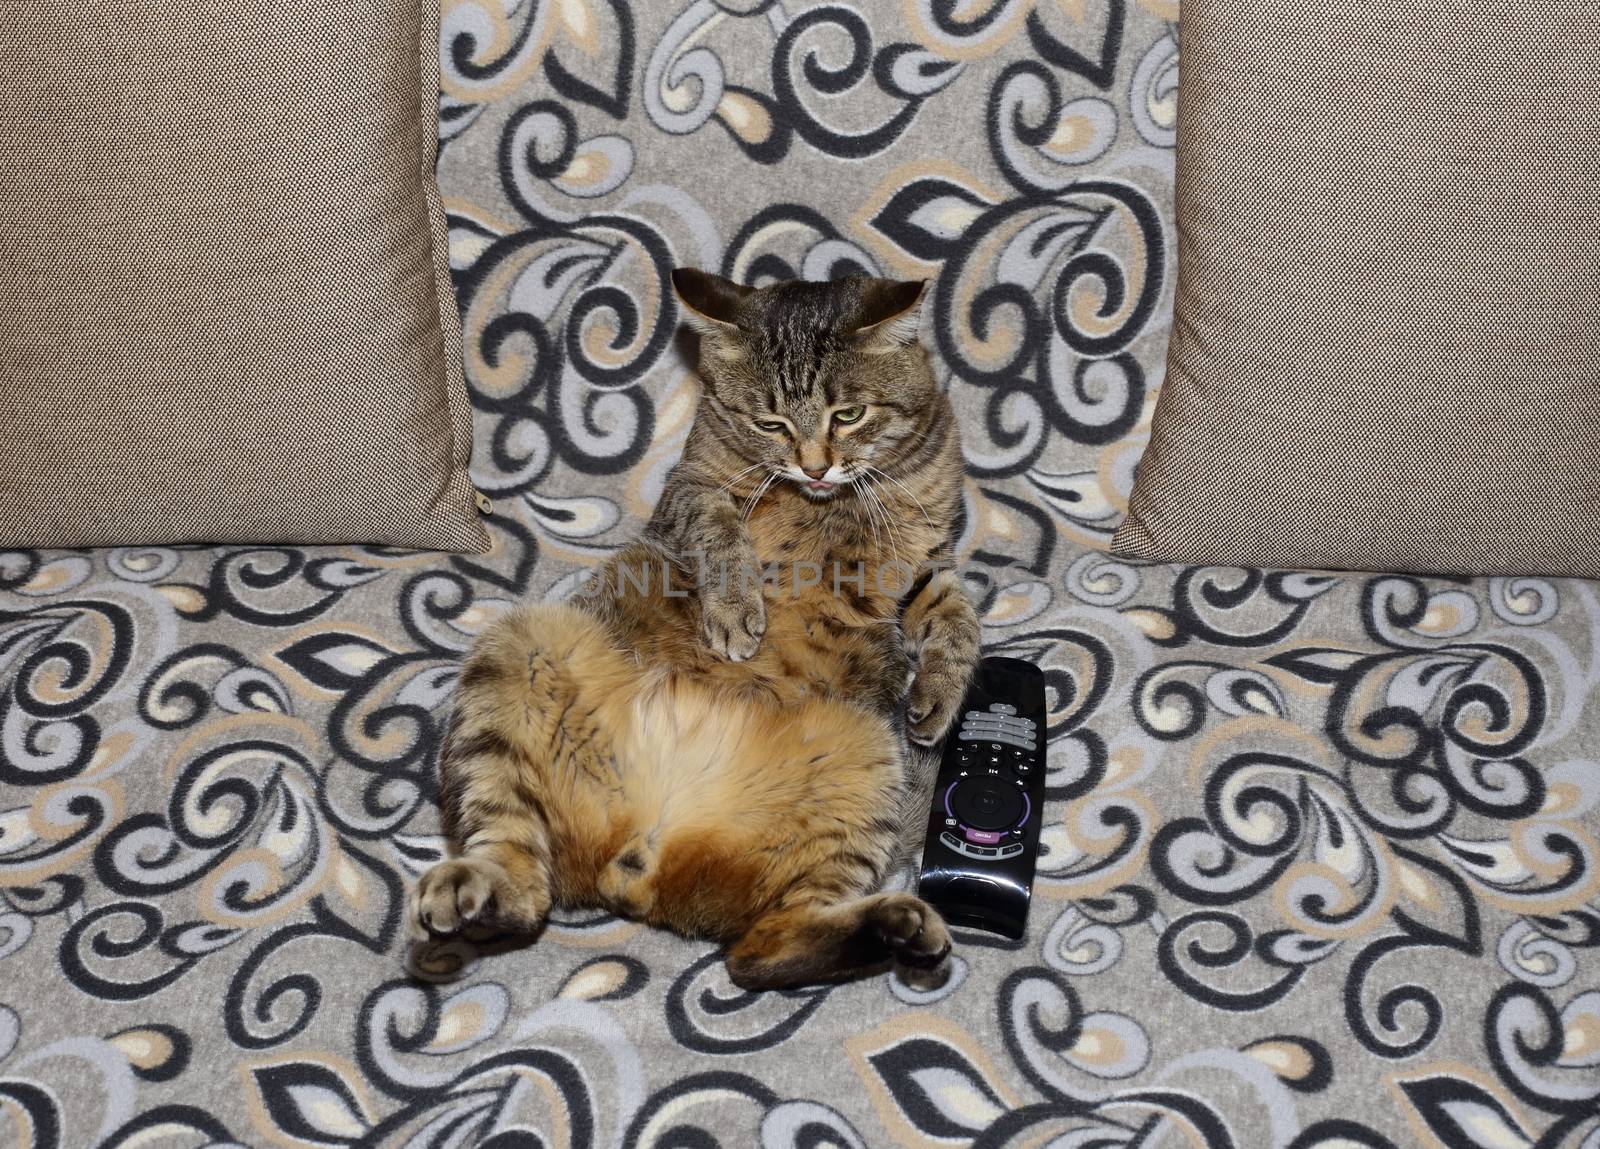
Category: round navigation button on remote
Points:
column 986, row 803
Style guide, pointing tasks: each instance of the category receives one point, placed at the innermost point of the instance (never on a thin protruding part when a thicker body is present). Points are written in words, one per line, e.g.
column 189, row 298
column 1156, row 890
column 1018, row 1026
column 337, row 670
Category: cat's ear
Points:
column 891, row 314
column 710, row 302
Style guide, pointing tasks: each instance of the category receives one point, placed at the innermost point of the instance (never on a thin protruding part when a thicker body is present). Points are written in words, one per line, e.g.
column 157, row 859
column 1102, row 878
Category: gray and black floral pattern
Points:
column 1321, row 859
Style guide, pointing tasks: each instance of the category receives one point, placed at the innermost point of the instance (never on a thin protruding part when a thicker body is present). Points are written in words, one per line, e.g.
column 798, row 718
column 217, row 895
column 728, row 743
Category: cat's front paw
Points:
column 936, row 694
column 733, row 626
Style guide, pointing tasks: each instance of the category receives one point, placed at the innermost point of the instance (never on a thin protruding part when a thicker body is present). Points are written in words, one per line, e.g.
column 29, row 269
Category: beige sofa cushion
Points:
column 1386, row 350
column 225, row 312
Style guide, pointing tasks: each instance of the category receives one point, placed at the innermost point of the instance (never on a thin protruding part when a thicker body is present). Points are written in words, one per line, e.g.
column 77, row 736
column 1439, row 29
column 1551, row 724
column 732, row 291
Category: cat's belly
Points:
column 723, row 797
column 816, row 697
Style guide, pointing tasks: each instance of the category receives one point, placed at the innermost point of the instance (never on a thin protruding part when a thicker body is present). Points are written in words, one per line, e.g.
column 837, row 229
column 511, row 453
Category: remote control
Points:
column 983, row 830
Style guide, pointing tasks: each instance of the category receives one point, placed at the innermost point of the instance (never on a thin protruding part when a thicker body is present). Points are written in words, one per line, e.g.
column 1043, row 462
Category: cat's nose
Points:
column 815, row 472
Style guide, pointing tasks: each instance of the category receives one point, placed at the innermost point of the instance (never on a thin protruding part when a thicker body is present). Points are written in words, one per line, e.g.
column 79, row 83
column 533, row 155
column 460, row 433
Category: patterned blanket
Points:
column 1321, row 856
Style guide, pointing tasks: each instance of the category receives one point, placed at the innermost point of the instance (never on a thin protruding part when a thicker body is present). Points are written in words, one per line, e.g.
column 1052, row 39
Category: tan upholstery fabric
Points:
column 1386, row 351
column 225, row 312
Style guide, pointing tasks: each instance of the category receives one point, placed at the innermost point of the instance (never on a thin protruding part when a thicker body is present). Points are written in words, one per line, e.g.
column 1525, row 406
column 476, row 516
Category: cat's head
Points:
column 817, row 382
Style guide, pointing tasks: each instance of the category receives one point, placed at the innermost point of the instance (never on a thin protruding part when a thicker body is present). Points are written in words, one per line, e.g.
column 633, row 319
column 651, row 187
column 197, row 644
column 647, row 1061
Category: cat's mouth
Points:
column 818, row 488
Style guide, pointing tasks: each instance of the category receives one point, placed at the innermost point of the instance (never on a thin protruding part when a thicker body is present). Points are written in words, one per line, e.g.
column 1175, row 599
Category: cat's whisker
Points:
column 883, row 503
column 872, row 520
column 861, row 504
column 737, row 475
column 869, row 504
column 909, row 493
column 755, row 497
column 888, row 520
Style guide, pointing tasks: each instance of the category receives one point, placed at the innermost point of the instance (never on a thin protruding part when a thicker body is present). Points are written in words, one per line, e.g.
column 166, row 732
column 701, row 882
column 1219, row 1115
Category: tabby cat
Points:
column 696, row 746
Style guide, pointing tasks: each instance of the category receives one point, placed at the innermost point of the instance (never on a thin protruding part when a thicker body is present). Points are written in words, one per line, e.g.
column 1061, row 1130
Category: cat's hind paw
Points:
column 450, row 895
column 914, row 931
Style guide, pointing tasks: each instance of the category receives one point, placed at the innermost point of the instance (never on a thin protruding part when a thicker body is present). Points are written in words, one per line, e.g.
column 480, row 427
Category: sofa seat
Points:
column 1310, row 839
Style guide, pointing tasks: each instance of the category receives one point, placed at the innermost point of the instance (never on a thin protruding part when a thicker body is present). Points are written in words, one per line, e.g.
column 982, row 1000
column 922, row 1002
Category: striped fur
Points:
column 725, row 761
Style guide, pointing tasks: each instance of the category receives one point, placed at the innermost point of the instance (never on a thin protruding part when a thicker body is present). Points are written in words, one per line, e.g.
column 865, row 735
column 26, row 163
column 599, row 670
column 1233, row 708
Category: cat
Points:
column 697, row 747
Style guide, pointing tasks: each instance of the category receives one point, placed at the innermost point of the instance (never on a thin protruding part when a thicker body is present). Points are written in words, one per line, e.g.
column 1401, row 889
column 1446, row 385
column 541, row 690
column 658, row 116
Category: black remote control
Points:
column 983, row 830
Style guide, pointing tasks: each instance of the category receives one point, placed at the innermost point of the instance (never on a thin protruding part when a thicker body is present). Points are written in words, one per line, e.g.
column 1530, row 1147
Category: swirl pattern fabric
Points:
column 1322, row 861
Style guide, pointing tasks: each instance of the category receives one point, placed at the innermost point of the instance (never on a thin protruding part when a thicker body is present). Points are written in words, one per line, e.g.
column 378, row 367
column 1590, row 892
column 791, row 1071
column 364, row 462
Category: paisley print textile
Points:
column 1322, row 864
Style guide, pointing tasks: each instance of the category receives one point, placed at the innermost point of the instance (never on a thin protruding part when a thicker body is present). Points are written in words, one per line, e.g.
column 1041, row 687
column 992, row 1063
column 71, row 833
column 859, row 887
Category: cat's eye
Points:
column 848, row 415
column 771, row 426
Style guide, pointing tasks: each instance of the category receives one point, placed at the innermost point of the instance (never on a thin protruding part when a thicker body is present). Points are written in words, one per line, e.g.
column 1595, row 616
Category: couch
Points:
column 1320, row 859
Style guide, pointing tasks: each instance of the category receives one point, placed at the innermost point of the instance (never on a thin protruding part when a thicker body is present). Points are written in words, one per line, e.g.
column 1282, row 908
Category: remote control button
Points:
column 997, row 737
column 1011, row 726
column 951, row 823
column 997, row 734
column 983, row 837
column 1010, row 851
column 985, row 804
column 1002, row 736
column 1002, row 708
column 1022, row 769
